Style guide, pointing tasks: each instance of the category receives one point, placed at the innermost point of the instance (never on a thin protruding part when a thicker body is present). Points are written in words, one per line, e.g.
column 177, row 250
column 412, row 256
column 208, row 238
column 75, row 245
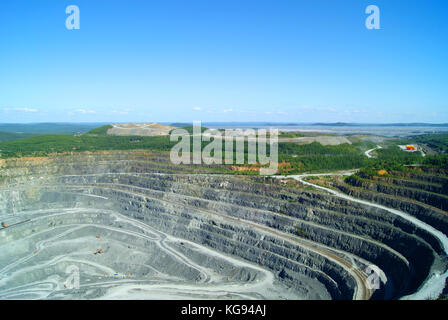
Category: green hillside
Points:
column 294, row 158
column 9, row 136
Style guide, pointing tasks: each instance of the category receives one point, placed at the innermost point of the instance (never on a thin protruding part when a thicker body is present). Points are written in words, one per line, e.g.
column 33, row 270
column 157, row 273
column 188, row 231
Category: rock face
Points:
column 134, row 226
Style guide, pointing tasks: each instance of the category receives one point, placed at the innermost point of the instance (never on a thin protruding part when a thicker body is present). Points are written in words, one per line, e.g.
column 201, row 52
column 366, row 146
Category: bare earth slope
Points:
column 140, row 129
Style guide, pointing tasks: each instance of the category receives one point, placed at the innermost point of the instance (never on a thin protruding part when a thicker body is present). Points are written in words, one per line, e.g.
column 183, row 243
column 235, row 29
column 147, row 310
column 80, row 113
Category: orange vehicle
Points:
column 410, row 147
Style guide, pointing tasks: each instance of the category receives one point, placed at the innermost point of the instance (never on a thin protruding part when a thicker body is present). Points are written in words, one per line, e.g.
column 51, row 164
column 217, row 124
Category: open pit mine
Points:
column 129, row 225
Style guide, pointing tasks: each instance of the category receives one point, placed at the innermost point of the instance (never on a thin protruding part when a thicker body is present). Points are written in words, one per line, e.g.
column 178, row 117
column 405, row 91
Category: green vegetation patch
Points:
column 46, row 144
column 438, row 142
column 440, row 161
column 394, row 154
column 101, row 130
column 9, row 136
column 312, row 157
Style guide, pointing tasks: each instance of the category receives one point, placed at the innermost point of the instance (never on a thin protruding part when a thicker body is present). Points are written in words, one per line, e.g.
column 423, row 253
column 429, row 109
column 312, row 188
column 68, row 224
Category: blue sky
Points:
column 216, row 60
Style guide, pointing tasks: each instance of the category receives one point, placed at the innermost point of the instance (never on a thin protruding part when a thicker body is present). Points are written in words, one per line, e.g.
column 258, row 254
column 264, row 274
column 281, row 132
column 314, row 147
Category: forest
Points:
column 293, row 158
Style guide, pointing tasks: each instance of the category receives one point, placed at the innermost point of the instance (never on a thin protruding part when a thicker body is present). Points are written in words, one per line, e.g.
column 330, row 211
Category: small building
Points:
column 409, row 147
